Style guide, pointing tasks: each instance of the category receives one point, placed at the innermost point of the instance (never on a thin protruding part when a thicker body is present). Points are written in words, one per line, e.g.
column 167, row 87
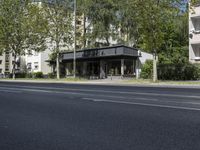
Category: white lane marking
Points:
column 143, row 104
column 83, row 94
column 106, row 96
column 9, row 91
column 113, row 92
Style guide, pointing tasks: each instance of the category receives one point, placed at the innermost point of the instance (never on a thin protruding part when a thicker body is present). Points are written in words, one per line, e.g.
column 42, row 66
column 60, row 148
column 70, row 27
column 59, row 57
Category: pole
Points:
column 74, row 63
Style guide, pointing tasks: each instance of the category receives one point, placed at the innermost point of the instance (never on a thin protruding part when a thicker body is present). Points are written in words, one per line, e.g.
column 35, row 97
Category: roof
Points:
column 104, row 52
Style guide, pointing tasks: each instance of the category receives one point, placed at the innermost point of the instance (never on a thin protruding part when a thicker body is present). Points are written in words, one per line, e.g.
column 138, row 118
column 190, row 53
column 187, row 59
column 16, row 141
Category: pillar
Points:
column 137, row 68
column 67, row 68
column 84, row 68
column 122, row 67
column 102, row 70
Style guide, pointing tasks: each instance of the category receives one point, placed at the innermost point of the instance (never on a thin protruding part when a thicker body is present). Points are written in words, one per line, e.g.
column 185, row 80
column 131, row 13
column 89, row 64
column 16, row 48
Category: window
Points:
column 197, row 52
column 7, row 66
column 0, row 62
column 29, row 66
column 36, row 66
column 0, row 71
column 29, row 53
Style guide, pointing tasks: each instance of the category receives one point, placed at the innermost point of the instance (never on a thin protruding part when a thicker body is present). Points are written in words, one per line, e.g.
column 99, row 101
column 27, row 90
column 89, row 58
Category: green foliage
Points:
column 22, row 28
column 37, row 75
column 172, row 71
column 147, row 70
column 59, row 18
column 194, row 2
column 29, row 75
column 178, row 72
column 51, row 75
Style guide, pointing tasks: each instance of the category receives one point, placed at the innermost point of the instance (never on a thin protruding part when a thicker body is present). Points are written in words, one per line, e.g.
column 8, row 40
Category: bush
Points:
column 180, row 71
column 147, row 70
column 29, row 75
column 20, row 75
column 38, row 75
column 51, row 75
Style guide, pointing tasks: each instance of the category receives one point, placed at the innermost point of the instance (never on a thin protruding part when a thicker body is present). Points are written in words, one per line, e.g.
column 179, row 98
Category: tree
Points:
column 152, row 21
column 59, row 17
column 102, row 17
column 194, row 2
column 22, row 28
column 127, row 21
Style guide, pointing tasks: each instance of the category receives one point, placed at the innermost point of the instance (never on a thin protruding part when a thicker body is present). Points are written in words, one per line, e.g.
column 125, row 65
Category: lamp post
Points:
column 74, row 61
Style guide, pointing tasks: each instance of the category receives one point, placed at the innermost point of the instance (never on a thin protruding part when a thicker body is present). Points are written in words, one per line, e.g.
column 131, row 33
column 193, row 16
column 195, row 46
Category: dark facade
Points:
column 102, row 62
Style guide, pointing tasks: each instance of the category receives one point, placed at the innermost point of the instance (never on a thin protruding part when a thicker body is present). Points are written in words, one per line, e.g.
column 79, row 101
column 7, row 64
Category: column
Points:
column 84, row 68
column 137, row 68
column 102, row 70
column 122, row 67
column 67, row 68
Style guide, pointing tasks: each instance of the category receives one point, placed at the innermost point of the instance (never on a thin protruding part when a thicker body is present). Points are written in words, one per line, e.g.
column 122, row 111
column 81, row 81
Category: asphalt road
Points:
column 91, row 117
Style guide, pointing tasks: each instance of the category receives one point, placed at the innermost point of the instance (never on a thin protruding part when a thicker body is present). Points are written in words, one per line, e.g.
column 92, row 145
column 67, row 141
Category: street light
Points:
column 74, row 63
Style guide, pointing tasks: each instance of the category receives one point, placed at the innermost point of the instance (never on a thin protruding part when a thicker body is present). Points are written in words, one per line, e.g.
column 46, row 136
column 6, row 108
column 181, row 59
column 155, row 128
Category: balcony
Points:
column 195, row 12
column 195, row 38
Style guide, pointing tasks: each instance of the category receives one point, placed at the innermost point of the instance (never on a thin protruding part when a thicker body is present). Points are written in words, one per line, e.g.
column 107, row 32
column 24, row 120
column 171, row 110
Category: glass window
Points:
column 114, row 67
column 29, row 66
column 128, row 67
column 36, row 65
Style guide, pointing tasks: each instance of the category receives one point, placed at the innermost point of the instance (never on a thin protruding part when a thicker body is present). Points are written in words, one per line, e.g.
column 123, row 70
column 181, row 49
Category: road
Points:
column 93, row 117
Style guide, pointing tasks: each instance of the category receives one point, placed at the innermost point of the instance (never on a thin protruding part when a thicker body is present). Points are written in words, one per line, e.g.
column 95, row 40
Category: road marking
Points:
column 105, row 96
column 82, row 94
column 9, row 91
column 143, row 104
column 114, row 92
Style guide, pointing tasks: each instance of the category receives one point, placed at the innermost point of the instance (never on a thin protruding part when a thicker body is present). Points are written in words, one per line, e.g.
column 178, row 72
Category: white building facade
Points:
column 194, row 30
column 6, row 64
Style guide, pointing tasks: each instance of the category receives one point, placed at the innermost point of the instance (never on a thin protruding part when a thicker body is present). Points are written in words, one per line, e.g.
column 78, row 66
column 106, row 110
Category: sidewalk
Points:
column 116, row 82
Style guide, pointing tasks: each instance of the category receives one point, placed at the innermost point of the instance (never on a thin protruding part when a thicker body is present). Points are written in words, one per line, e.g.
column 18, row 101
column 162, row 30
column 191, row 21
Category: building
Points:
column 37, row 62
column 100, row 63
column 194, row 30
column 6, row 64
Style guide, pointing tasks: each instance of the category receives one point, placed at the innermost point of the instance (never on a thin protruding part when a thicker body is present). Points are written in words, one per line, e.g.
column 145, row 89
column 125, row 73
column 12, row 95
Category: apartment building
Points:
column 6, row 64
column 194, row 36
column 37, row 62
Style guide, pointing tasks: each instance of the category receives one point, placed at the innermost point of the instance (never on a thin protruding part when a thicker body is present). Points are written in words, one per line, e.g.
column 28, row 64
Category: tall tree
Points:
column 154, row 16
column 102, row 17
column 59, row 17
column 22, row 28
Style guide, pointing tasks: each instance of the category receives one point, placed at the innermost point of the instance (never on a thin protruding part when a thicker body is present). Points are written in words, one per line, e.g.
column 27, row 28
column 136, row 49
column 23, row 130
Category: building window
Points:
column 0, row 71
column 29, row 53
column 197, row 52
column 36, row 66
column 7, row 66
column 0, row 62
column 29, row 66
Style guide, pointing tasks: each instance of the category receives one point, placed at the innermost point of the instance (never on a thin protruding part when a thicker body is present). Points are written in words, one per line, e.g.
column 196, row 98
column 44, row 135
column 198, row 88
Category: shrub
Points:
column 29, row 75
column 172, row 71
column 178, row 72
column 147, row 70
column 38, row 75
column 20, row 75
column 51, row 75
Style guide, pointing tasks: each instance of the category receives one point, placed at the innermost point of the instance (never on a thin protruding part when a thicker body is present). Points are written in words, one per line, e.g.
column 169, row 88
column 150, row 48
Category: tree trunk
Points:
column 155, row 76
column 14, row 66
column 58, row 66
